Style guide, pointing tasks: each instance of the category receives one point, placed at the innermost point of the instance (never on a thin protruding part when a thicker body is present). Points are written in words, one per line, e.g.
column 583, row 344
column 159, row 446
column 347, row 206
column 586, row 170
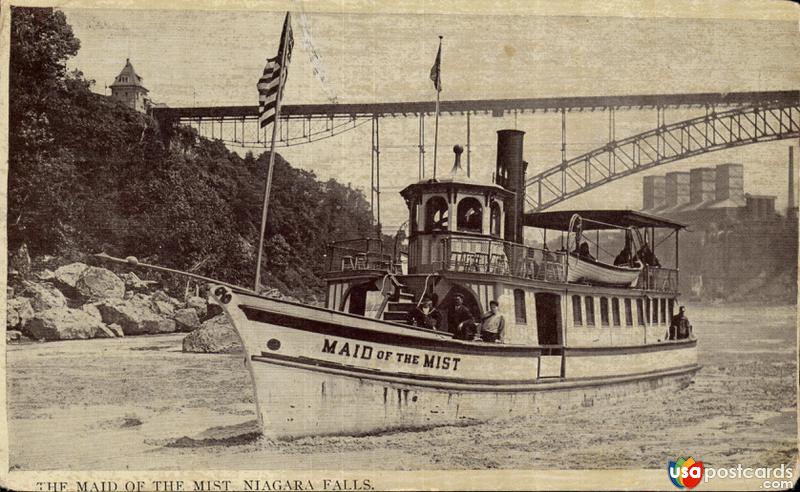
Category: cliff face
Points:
column 89, row 174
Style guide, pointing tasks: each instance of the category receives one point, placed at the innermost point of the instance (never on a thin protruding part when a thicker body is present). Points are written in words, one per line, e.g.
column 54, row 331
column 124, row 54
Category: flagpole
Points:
column 436, row 127
column 271, row 166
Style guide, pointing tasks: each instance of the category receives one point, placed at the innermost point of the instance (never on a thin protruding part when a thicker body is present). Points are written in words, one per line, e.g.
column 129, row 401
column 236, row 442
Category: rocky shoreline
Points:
column 77, row 301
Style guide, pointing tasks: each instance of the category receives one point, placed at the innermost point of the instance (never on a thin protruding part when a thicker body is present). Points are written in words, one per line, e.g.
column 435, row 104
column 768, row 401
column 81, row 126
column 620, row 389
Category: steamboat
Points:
column 576, row 330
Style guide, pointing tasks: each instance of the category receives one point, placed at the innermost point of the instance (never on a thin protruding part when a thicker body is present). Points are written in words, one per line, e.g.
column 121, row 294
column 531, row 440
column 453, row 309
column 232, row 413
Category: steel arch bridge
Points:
column 664, row 144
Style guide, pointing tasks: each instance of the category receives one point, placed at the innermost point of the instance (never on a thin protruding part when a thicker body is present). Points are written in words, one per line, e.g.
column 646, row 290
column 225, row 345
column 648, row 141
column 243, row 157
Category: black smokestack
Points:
column 511, row 176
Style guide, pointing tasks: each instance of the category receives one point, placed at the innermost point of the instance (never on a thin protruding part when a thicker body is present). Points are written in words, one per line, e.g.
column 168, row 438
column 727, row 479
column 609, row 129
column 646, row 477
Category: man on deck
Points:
column 425, row 315
column 679, row 327
column 458, row 314
column 492, row 328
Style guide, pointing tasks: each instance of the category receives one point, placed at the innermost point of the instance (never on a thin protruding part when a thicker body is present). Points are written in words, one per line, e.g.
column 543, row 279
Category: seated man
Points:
column 425, row 315
column 624, row 258
column 583, row 252
column 679, row 327
column 458, row 314
column 492, row 328
column 647, row 256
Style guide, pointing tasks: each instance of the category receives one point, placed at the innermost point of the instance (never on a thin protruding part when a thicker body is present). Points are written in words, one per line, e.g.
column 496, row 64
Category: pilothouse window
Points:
column 494, row 219
column 470, row 215
column 436, row 215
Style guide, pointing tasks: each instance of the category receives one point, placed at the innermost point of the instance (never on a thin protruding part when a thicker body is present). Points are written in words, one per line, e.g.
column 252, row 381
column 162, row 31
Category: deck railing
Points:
column 478, row 255
column 360, row 254
column 659, row 279
column 499, row 257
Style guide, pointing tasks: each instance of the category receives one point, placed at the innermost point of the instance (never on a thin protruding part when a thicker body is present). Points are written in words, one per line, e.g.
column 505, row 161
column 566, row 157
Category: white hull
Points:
column 594, row 272
column 319, row 372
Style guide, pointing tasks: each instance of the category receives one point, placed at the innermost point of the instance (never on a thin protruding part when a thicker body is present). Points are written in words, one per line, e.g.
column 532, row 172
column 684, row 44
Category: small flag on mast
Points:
column 436, row 69
column 274, row 76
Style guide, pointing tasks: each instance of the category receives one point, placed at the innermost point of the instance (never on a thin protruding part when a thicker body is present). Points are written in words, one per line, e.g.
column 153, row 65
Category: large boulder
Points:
column 116, row 330
column 165, row 309
column 43, row 296
column 91, row 309
column 134, row 317
column 19, row 312
column 186, row 319
column 216, row 335
column 198, row 304
column 99, row 283
column 65, row 324
column 161, row 296
column 66, row 277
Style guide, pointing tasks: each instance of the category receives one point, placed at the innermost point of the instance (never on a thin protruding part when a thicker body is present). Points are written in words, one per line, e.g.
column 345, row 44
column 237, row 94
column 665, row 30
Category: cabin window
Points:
column 640, row 311
column 604, row 311
column 647, row 308
column 589, row 310
column 436, row 215
column 615, row 310
column 470, row 215
column 655, row 311
column 664, row 310
column 519, row 306
column 671, row 309
column 576, row 310
column 628, row 313
column 494, row 219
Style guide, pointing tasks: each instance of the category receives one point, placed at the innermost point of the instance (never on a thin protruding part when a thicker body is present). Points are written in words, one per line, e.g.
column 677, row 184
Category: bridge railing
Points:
column 658, row 279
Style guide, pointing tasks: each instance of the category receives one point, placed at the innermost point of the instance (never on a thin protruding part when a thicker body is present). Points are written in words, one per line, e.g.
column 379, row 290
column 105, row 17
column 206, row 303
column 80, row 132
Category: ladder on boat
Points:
column 399, row 304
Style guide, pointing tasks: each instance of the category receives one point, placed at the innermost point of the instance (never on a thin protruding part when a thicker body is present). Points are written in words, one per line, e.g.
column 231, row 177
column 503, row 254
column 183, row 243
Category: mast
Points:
column 268, row 185
column 437, row 82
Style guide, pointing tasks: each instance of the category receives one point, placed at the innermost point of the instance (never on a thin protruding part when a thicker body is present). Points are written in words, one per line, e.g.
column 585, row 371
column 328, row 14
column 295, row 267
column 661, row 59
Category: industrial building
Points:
column 737, row 246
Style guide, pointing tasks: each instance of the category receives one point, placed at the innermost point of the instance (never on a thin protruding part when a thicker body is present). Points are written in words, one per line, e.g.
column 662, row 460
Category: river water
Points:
column 139, row 403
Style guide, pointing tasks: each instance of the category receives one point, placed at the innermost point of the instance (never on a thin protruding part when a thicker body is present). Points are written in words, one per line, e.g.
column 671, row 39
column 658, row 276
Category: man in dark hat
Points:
column 459, row 319
column 425, row 315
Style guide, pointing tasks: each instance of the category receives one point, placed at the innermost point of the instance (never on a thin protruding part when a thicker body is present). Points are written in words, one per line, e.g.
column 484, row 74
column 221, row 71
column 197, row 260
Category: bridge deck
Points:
column 495, row 106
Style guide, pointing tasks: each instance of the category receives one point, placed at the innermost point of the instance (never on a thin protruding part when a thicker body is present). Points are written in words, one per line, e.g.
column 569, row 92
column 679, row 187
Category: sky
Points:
column 208, row 58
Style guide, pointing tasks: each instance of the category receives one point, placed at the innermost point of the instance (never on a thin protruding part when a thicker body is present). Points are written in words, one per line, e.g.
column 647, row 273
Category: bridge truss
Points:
column 662, row 145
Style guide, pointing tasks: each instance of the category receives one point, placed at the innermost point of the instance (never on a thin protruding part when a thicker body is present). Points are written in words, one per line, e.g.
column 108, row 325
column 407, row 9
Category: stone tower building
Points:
column 129, row 89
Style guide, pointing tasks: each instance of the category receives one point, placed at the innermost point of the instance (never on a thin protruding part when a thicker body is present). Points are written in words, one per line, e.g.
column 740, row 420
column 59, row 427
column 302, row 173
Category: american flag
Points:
column 274, row 76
